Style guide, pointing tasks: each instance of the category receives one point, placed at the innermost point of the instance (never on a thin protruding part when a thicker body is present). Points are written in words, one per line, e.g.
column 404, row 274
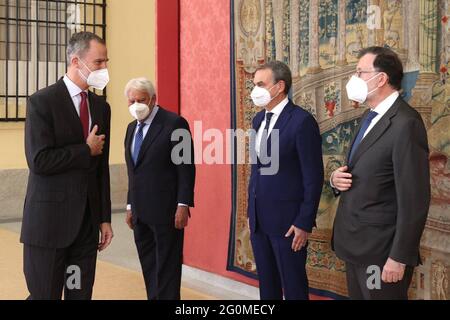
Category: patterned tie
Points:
column 362, row 130
column 138, row 141
column 84, row 114
column 265, row 134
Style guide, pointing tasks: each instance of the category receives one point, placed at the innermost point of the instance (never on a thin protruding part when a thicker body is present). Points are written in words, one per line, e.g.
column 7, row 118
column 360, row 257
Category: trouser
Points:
column 48, row 271
column 362, row 284
column 160, row 249
column 280, row 269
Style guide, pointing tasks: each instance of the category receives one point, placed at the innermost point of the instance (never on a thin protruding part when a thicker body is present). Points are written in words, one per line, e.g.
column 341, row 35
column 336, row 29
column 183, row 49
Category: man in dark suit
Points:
column 282, row 203
column 385, row 186
column 160, row 188
column 68, row 194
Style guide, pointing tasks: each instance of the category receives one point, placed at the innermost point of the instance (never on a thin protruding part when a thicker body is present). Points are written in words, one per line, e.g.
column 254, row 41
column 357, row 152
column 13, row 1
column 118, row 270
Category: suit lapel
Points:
column 152, row 133
column 363, row 117
column 95, row 112
column 377, row 131
column 258, row 120
column 67, row 103
column 284, row 117
column 280, row 124
column 129, row 140
column 281, row 121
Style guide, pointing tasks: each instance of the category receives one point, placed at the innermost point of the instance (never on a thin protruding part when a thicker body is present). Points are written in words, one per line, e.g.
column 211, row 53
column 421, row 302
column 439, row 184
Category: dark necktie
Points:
column 362, row 130
column 84, row 114
column 265, row 135
column 138, row 141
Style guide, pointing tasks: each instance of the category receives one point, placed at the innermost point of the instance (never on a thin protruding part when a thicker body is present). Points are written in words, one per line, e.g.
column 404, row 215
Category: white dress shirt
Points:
column 75, row 94
column 381, row 109
column 149, row 121
column 276, row 113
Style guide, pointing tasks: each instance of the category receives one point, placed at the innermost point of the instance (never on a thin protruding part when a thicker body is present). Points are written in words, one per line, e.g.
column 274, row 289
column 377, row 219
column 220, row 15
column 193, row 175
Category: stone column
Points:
column 277, row 7
column 412, row 35
column 314, row 66
column 342, row 49
column 295, row 39
column 372, row 33
column 428, row 31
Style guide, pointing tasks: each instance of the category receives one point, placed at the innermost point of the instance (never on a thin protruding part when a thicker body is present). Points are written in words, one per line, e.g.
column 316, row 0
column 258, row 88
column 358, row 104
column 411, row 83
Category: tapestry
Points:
column 320, row 40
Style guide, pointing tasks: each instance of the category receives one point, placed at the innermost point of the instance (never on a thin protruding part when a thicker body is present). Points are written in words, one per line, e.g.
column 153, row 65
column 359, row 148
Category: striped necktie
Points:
column 139, row 138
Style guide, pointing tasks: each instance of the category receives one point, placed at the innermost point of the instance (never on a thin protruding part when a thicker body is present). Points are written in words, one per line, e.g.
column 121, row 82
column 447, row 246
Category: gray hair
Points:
column 80, row 42
column 140, row 84
column 280, row 71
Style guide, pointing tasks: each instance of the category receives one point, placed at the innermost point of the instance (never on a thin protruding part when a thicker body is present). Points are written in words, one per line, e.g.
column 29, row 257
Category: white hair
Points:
column 140, row 84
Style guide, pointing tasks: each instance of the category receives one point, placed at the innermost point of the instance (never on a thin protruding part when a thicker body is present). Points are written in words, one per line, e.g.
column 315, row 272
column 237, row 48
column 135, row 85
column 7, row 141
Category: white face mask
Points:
column 357, row 89
column 139, row 111
column 261, row 96
column 97, row 79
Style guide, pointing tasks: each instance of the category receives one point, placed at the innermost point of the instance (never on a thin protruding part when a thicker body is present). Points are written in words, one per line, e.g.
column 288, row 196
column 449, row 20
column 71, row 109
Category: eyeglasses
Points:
column 359, row 72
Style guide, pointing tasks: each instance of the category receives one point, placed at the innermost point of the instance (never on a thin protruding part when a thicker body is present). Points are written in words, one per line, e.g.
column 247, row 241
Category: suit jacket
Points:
column 63, row 176
column 156, row 184
column 384, row 212
column 292, row 195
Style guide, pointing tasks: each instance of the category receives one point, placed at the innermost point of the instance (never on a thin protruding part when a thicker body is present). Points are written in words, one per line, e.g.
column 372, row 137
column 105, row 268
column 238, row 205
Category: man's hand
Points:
column 106, row 235
column 341, row 179
column 393, row 271
column 95, row 142
column 300, row 238
column 129, row 219
column 181, row 217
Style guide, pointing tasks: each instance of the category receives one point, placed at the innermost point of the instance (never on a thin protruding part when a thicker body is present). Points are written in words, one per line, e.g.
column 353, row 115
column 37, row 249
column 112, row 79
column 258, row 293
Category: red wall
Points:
column 168, row 54
column 193, row 77
column 205, row 96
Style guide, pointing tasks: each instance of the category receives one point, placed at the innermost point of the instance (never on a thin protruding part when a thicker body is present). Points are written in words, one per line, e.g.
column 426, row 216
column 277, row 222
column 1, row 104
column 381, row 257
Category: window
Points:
column 33, row 40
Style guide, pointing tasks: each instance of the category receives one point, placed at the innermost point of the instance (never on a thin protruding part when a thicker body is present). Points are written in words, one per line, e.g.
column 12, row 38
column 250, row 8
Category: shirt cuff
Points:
column 331, row 181
column 128, row 207
column 182, row 205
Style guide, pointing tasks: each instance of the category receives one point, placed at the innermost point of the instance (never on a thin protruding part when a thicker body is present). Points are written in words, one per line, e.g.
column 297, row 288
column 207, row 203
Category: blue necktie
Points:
column 138, row 141
column 362, row 130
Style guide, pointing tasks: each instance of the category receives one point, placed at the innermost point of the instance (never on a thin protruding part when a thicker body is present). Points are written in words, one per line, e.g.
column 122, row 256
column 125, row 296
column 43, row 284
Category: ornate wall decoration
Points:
column 320, row 40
